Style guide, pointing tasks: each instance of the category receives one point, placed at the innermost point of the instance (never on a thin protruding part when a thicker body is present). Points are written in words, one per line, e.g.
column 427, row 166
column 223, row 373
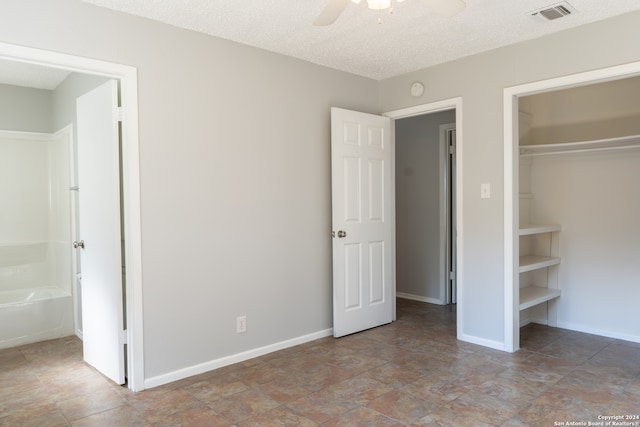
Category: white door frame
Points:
column 446, row 227
column 418, row 110
column 127, row 76
column 511, row 182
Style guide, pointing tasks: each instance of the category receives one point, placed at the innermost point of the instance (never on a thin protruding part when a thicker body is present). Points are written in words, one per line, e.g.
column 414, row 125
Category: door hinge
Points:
column 452, row 275
column 452, row 149
column 119, row 113
column 123, row 337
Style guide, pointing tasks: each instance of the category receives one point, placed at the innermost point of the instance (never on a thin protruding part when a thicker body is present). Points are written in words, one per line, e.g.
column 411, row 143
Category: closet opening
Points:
column 572, row 163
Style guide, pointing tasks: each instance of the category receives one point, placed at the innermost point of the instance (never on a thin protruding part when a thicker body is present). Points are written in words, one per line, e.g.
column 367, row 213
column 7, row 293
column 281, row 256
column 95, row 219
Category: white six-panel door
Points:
column 362, row 221
column 99, row 229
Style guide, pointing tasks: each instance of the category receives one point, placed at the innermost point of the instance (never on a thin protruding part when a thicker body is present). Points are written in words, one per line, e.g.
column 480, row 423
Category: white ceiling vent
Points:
column 555, row 11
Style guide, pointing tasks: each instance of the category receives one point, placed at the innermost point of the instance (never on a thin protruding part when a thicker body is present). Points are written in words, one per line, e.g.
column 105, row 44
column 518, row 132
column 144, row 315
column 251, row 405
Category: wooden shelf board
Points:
column 534, row 295
column 534, row 262
column 537, row 229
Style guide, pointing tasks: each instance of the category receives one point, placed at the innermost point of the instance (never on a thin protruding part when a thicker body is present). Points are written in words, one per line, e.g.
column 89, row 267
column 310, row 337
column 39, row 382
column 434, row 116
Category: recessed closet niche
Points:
column 580, row 208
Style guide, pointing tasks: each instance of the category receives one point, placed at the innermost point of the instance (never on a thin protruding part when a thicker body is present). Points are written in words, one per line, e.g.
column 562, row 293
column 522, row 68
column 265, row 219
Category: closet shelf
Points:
column 526, row 230
column 535, row 262
column 534, row 295
column 624, row 142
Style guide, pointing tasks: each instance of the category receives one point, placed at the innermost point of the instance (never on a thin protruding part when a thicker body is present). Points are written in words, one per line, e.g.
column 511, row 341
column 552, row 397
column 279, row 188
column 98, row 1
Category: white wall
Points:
column 235, row 178
column 596, row 199
column 418, row 204
column 480, row 80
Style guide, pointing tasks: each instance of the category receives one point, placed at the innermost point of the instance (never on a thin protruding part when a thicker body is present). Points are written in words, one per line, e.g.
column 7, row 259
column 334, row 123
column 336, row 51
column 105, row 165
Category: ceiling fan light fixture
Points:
column 379, row 4
column 334, row 8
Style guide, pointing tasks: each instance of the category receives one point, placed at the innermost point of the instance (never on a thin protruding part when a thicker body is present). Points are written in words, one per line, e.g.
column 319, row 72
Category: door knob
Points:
column 342, row 234
column 79, row 244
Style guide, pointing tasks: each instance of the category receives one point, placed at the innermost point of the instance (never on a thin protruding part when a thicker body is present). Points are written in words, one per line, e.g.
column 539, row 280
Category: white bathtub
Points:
column 34, row 314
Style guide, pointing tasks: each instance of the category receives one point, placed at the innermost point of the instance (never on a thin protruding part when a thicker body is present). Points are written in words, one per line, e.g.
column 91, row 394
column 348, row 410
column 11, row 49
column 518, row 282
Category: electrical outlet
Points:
column 241, row 324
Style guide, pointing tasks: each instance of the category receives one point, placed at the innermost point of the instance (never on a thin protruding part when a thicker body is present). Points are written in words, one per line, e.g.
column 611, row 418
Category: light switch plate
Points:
column 485, row 191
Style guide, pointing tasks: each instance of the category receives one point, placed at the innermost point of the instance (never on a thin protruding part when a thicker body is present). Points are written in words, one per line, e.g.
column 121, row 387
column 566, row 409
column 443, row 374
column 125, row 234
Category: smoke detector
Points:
column 553, row 12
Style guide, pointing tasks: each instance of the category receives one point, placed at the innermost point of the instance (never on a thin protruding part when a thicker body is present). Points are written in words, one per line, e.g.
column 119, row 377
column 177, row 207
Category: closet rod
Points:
column 578, row 150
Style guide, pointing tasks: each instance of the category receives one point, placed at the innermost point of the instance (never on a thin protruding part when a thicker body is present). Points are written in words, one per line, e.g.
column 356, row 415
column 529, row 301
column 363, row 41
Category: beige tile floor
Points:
column 409, row 373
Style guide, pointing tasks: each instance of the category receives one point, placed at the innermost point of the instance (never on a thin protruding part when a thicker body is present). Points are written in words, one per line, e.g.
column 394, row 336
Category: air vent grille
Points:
column 553, row 12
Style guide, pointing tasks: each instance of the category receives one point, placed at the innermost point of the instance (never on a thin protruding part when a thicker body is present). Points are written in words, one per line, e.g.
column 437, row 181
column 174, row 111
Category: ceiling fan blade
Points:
column 447, row 8
column 331, row 11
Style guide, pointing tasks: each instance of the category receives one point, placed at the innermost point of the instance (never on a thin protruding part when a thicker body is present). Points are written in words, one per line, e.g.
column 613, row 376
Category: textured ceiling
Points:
column 410, row 39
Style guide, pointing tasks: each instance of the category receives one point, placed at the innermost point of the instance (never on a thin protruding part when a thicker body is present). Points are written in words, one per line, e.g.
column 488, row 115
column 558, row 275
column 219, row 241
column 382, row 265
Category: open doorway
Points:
column 126, row 76
column 454, row 105
column 425, row 207
column 380, row 207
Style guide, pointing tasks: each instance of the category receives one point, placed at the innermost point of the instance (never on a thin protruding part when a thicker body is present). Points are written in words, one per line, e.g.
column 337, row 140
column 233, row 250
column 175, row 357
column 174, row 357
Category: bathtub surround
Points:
column 34, row 314
column 35, row 237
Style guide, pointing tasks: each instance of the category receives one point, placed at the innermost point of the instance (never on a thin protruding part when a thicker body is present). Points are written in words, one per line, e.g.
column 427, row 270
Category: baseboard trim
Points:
column 418, row 298
column 496, row 345
column 600, row 332
column 526, row 322
column 230, row 360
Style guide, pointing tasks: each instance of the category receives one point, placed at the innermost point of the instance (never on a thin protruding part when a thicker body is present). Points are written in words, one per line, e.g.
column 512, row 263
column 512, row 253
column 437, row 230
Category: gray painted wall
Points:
column 65, row 95
column 235, row 177
column 480, row 80
column 418, row 204
column 25, row 109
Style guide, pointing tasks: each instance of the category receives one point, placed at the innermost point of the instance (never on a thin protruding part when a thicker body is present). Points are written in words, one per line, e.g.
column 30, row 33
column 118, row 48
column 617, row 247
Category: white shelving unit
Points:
column 534, row 295
column 539, row 243
column 537, row 229
column 543, row 257
column 535, row 262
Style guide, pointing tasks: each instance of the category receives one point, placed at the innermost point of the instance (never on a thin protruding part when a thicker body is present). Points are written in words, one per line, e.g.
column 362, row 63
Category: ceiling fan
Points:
column 334, row 8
